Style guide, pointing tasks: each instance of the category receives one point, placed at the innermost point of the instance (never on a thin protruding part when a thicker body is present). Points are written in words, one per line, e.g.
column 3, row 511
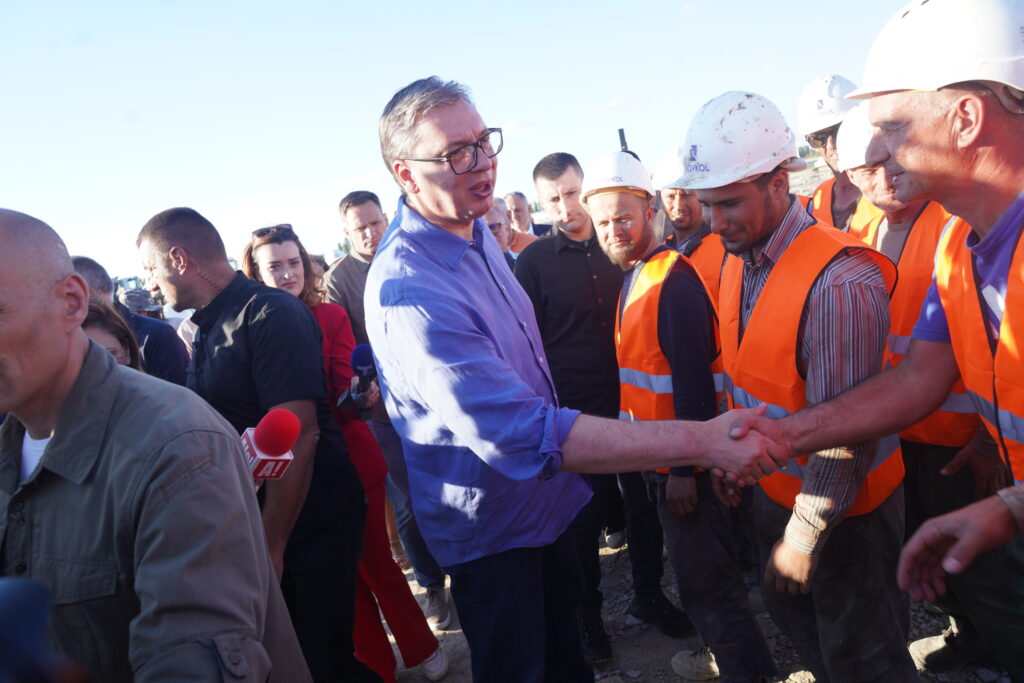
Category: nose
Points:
column 714, row 218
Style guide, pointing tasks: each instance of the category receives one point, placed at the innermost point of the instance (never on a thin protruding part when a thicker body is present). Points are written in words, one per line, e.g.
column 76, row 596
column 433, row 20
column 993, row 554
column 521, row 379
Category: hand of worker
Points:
column 749, row 428
column 990, row 472
column 728, row 494
column 789, row 570
column 681, row 495
column 948, row 544
column 368, row 398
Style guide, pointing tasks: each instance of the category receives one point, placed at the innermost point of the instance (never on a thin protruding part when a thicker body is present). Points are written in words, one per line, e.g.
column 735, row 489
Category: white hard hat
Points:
column 669, row 170
column 735, row 138
column 619, row 170
column 853, row 137
column 934, row 43
column 823, row 103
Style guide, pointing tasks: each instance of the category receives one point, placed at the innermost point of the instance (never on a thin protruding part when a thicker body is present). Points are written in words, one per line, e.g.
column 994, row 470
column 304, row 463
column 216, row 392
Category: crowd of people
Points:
column 825, row 390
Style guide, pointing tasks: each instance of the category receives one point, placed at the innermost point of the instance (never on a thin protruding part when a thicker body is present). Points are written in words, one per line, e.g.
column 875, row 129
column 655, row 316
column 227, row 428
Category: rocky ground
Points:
column 642, row 653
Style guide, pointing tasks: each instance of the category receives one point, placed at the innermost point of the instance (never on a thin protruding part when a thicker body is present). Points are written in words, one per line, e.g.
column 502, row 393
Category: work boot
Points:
column 948, row 651
column 596, row 647
column 435, row 667
column 436, row 610
column 696, row 665
column 654, row 608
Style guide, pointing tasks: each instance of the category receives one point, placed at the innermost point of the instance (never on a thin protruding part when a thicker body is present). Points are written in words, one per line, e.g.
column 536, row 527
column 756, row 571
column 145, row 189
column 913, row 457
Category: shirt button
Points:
column 523, row 323
column 19, row 506
column 540, row 359
column 20, row 568
column 235, row 658
column 593, row 277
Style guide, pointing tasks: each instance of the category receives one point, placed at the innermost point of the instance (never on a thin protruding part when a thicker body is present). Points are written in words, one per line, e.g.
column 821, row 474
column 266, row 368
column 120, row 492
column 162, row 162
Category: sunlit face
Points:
column 561, row 200
column 682, row 209
column 159, row 274
column 280, row 266
column 445, row 199
column 741, row 213
column 624, row 225
column 876, row 187
column 364, row 226
column 913, row 143
column 520, row 211
column 497, row 221
column 110, row 342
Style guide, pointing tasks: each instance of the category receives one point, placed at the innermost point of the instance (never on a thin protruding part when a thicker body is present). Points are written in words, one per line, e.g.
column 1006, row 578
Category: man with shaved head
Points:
column 125, row 495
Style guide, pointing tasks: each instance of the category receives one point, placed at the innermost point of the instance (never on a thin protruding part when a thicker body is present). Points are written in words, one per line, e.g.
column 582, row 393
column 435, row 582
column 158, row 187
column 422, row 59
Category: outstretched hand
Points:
column 742, row 452
column 948, row 544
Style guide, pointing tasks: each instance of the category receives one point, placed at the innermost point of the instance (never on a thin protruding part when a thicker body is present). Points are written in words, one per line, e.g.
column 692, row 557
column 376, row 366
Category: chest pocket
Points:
column 92, row 608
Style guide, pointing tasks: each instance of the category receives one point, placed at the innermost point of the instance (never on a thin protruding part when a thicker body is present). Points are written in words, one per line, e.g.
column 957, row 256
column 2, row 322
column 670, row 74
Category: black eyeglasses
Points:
column 272, row 230
column 463, row 159
column 820, row 138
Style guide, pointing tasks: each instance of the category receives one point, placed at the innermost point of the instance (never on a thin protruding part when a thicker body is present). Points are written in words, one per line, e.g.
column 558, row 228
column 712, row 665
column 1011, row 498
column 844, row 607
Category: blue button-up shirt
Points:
column 468, row 388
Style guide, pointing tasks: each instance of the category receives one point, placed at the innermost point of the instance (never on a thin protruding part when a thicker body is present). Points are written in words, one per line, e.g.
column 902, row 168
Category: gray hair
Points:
column 94, row 274
column 398, row 122
column 519, row 195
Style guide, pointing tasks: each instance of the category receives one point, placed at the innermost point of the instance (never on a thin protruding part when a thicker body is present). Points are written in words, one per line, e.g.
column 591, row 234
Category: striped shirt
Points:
column 842, row 335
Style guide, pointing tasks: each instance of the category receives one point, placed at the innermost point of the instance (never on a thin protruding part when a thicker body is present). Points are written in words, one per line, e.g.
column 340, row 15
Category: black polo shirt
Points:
column 574, row 289
column 257, row 347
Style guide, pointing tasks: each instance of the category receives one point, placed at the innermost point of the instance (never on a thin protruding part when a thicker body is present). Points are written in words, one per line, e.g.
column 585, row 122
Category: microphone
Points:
column 268, row 446
column 363, row 365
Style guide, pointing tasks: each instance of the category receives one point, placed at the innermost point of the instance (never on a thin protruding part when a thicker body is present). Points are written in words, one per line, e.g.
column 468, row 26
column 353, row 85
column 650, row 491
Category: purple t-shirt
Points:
column 992, row 255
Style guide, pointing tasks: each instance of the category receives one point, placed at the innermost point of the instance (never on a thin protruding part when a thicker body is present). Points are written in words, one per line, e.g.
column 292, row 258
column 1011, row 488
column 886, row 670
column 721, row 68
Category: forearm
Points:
column 598, row 445
column 286, row 496
column 883, row 404
column 1013, row 496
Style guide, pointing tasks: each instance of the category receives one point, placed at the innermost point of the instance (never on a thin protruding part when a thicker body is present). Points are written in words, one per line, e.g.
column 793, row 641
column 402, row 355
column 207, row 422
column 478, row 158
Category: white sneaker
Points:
column 696, row 665
column 436, row 609
column 435, row 667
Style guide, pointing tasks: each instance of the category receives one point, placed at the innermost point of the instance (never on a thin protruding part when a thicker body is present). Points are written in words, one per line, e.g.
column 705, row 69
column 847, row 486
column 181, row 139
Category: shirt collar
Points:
column 792, row 224
column 211, row 312
column 448, row 247
column 563, row 242
column 79, row 433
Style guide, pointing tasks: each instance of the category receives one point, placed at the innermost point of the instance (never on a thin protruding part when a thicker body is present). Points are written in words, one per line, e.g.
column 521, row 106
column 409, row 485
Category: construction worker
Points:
column 949, row 126
column 667, row 348
column 935, row 449
column 804, row 314
column 836, row 201
column 691, row 236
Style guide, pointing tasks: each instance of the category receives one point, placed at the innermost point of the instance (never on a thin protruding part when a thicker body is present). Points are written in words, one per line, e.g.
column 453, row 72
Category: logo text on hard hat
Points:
column 616, row 179
column 695, row 166
column 693, row 153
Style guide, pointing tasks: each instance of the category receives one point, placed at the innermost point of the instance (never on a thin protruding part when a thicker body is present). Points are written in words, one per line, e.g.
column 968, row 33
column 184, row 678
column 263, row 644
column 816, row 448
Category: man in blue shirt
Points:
column 489, row 450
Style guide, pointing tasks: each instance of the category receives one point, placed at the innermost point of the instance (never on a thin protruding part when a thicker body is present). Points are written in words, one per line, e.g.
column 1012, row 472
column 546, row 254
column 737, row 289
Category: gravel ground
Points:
column 642, row 653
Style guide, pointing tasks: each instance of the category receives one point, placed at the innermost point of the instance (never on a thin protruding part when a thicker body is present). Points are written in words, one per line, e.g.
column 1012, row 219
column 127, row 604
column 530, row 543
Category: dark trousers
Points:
column 852, row 625
column 518, row 613
column 319, row 587
column 711, row 588
column 987, row 599
column 643, row 533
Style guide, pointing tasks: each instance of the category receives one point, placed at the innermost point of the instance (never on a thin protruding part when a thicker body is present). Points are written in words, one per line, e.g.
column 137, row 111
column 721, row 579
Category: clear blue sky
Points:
column 256, row 113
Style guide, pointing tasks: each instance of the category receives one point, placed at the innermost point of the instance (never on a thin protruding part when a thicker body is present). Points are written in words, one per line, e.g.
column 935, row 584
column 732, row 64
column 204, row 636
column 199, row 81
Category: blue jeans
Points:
column 518, row 613
column 643, row 533
column 425, row 568
column 711, row 588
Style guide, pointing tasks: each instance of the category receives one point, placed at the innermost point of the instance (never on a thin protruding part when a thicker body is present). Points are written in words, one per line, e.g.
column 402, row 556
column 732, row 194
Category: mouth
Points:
column 483, row 189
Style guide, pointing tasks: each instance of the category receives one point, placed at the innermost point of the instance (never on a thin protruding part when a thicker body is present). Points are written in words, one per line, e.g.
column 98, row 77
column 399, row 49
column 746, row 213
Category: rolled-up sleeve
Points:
column 442, row 359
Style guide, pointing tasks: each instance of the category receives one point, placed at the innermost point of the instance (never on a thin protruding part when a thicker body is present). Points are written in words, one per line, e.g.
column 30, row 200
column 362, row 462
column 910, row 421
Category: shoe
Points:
column 696, row 665
column 596, row 647
column 435, row 667
column 656, row 609
column 946, row 652
column 436, row 609
column 615, row 539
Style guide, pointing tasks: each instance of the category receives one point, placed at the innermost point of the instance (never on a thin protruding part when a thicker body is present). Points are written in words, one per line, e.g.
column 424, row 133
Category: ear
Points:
column 178, row 258
column 74, row 293
column 969, row 115
column 779, row 185
column 403, row 173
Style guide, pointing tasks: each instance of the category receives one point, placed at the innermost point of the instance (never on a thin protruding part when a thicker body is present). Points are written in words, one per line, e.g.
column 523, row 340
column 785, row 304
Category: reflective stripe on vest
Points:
column 955, row 422
column 659, row 384
column 994, row 381
column 763, row 368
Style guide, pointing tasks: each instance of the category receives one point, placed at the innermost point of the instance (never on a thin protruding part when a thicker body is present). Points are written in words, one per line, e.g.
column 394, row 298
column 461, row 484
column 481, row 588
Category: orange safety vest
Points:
column 819, row 205
column 708, row 259
column 955, row 421
column 763, row 369
column 645, row 377
column 995, row 381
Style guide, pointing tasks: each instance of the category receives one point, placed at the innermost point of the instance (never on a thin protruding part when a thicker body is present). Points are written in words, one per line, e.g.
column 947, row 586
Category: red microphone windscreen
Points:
column 277, row 432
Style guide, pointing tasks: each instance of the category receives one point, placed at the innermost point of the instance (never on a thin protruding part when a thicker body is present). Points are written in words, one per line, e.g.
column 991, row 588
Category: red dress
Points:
column 380, row 581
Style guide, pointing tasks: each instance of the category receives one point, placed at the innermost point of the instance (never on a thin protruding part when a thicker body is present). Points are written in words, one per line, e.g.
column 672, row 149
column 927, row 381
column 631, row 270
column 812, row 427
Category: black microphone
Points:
column 363, row 366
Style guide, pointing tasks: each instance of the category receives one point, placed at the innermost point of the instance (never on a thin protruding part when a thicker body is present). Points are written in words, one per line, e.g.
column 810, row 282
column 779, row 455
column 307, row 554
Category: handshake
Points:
column 745, row 446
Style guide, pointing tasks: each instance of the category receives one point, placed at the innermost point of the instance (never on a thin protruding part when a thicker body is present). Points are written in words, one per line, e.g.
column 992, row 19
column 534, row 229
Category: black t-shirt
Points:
column 258, row 347
column 574, row 287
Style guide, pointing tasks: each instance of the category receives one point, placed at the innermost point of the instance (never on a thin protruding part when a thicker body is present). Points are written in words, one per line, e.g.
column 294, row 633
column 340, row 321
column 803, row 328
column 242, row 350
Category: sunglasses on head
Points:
column 273, row 230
